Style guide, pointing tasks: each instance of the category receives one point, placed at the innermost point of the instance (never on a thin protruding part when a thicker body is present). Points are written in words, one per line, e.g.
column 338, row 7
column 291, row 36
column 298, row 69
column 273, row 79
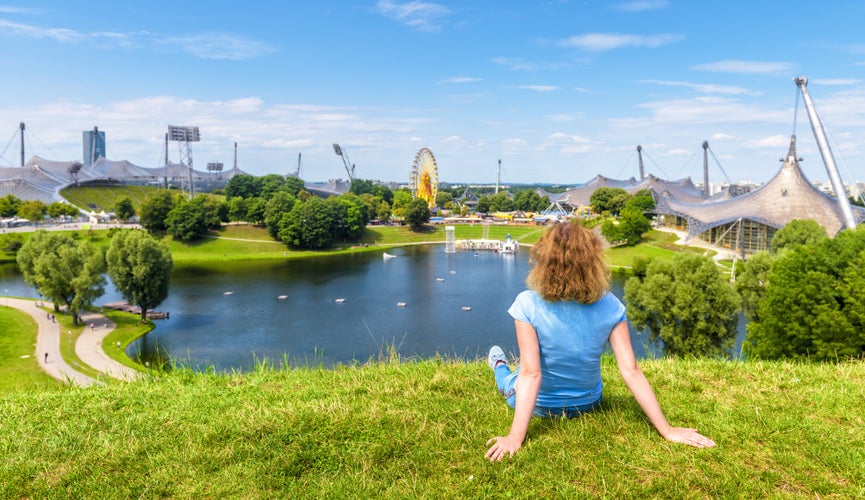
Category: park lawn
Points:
column 127, row 329
column 105, row 197
column 411, row 428
column 68, row 337
column 19, row 368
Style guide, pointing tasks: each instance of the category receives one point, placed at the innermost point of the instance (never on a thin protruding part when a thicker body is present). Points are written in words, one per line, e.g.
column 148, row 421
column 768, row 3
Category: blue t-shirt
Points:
column 572, row 337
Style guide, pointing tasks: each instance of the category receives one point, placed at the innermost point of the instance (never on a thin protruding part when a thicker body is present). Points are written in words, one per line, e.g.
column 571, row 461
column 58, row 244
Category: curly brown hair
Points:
column 568, row 264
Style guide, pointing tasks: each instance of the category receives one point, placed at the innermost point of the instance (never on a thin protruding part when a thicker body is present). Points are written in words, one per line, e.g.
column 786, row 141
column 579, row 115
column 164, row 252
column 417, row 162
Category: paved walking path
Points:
column 88, row 347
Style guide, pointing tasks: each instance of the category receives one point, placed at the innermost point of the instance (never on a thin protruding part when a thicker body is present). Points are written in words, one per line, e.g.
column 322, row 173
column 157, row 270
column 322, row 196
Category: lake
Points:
column 337, row 309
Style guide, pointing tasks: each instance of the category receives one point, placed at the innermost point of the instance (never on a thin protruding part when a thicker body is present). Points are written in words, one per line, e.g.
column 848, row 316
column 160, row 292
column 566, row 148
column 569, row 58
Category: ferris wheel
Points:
column 424, row 181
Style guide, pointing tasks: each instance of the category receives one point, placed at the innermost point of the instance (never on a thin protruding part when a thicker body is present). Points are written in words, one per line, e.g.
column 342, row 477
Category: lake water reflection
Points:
column 228, row 315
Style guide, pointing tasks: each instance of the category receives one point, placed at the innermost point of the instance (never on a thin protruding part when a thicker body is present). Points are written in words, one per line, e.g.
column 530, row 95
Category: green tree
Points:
column 274, row 209
column 237, row 209
column 362, row 186
column 483, row 205
column 62, row 270
column 643, row 200
column 607, row 199
column 798, row 232
column 140, row 267
column 686, row 303
column 293, row 185
column 192, row 219
column 268, row 185
column 501, row 202
column 813, row 306
column 382, row 210
column 401, row 199
column 123, row 208
column 751, row 283
column 417, row 214
column 611, row 229
column 444, row 200
column 256, row 209
column 633, row 224
column 242, row 185
column 9, row 205
column 155, row 209
column 356, row 215
column 33, row 210
column 309, row 224
column 59, row 209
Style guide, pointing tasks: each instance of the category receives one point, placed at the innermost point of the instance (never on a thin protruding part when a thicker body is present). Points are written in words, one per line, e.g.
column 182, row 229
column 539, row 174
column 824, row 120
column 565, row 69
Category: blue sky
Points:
column 560, row 91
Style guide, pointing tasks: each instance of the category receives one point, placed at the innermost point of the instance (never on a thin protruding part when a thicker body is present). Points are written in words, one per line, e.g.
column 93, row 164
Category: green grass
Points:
column 19, row 368
column 417, row 429
column 127, row 328
column 105, row 197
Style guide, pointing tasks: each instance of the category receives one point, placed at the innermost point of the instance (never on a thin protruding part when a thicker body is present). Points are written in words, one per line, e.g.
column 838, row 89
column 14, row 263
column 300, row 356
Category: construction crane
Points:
column 349, row 166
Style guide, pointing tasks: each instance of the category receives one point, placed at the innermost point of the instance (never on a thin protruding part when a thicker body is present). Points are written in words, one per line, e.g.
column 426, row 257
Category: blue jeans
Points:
column 506, row 382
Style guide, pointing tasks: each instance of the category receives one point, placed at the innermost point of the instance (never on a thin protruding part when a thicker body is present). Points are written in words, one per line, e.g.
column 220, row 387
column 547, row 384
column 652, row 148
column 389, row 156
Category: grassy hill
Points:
column 417, row 429
column 98, row 198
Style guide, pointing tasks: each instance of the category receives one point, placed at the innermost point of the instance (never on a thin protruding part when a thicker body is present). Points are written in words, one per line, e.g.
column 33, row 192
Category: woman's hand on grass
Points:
column 501, row 446
column 688, row 436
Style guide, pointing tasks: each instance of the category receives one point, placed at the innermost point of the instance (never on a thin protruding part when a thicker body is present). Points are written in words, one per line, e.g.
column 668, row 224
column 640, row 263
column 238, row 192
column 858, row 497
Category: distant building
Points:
column 94, row 146
column 747, row 223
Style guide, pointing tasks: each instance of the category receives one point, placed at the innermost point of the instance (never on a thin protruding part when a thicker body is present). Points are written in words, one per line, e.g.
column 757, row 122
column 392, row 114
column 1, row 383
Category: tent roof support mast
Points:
column 826, row 153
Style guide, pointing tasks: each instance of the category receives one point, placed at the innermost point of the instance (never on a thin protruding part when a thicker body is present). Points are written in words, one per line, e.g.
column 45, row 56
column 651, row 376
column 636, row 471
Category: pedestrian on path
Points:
column 46, row 358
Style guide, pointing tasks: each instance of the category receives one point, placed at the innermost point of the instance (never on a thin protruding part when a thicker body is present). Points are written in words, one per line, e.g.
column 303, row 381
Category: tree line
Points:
column 299, row 219
column 804, row 299
column 70, row 272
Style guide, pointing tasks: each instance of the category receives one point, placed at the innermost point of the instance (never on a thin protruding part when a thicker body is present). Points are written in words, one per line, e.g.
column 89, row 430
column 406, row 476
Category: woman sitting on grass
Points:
column 563, row 323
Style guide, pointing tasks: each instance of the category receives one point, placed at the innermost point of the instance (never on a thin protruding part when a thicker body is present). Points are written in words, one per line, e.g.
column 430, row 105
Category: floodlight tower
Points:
column 826, row 153
column 215, row 166
column 349, row 166
column 183, row 136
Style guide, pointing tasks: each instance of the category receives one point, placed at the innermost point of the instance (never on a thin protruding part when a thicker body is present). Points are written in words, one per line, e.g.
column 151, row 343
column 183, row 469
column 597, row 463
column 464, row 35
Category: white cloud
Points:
column 598, row 42
column 775, row 142
column 220, row 46
column 747, row 67
column 461, row 79
column 721, row 137
column 835, row 81
column 561, row 118
column 567, row 143
column 538, row 88
column 523, row 65
column 421, row 16
column 677, row 152
column 642, row 5
column 709, row 110
column 58, row 34
column 201, row 45
column 704, row 87
column 5, row 9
